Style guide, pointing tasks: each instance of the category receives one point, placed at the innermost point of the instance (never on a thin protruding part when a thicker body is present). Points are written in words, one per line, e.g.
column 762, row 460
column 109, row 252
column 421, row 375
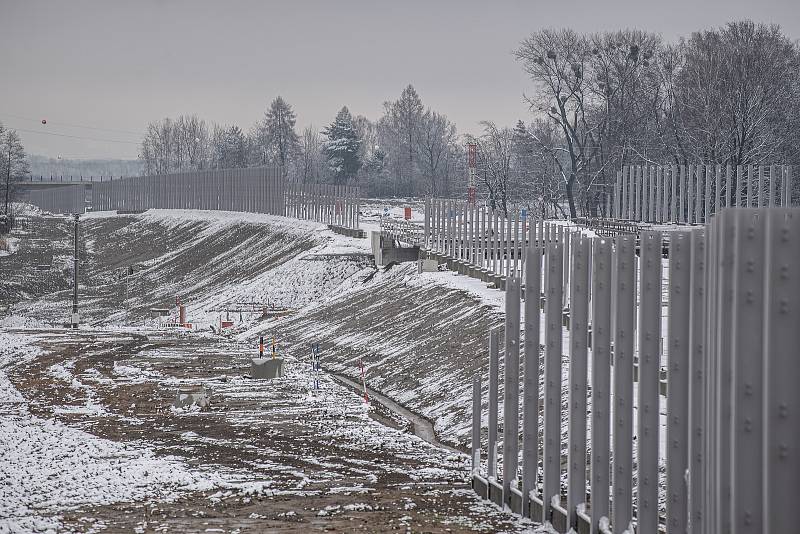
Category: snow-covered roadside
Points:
column 49, row 468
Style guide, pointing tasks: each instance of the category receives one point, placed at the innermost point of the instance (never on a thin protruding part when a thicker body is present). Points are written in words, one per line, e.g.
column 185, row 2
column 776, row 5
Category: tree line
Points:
column 409, row 151
column 597, row 102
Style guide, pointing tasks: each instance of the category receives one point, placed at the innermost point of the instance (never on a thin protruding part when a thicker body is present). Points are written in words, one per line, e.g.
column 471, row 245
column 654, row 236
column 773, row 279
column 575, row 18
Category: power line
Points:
column 66, row 158
column 76, row 136
column 73, row 125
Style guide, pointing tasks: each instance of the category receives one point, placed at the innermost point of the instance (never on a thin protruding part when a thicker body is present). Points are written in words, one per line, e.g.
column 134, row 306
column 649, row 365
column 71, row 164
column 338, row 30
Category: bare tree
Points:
column 536, row 176
column 435, row 140
column 176, row 145
column 495, row 152
column 13, row 165
column 733, row 93
column 311, row 161
column 398, row 131
column 602, row 92
column 556, row 61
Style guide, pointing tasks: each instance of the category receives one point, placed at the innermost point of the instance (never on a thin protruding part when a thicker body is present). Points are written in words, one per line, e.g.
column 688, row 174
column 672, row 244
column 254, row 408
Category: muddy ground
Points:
column 327, row 462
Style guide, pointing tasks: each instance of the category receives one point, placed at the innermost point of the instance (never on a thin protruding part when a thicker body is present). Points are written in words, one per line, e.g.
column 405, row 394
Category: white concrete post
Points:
column 511, row 392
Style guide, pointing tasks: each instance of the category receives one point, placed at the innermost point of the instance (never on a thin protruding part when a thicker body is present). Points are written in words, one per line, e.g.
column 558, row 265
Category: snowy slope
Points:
column 211, row 260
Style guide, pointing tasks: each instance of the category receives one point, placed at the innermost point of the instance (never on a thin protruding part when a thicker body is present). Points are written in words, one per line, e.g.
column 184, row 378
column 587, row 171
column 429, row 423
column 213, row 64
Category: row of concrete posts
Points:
column 717, row 321
column 691, row 194
column 252, row 189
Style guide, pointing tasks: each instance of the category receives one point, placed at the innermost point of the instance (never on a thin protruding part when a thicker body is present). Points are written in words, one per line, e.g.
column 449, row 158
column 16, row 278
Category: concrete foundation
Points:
column 349, row 232
column 385, row 252
column 189, row 398
column 499, row 282
column 266, row 368
column 427, row 266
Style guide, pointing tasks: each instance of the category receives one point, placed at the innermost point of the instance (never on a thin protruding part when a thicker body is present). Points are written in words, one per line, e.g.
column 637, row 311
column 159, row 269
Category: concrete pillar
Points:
column 511, row 393
column 494, row 358
column 476, row 424
column 530, row 402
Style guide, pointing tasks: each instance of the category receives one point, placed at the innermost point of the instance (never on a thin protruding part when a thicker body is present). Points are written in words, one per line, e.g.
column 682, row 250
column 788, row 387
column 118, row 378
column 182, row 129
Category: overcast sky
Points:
column 118, row 65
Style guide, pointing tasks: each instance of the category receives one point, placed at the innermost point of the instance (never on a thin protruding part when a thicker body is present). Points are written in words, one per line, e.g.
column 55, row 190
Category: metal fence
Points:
column 332, row 204
column 61, row 199
column 253, row 189
column 720, row 315
column 44, row 179
column 259, row 189
column 402, row 231
column 691, row 194
column 477, row 235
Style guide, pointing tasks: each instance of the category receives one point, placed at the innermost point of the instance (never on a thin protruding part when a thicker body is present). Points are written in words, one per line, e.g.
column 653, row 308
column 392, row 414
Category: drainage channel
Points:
column 421, row 426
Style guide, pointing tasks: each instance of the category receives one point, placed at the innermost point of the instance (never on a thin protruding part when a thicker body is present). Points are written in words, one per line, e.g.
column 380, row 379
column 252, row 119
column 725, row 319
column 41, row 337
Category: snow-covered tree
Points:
column 436, row 139
column 734, row 89
column 399, row 132
column 342, row 148
column 13, row 164
column 495, row 148
column 274, row 139
column 229, row 147
column 310, row 164
column 176, row 145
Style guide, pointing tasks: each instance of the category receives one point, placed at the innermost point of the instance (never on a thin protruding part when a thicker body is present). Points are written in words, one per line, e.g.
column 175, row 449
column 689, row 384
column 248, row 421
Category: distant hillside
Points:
column 44, row 166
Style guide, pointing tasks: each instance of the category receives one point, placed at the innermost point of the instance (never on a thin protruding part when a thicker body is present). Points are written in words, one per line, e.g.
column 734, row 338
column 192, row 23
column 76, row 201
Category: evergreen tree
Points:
column 229, row 148
column 276, row 140
column 342, row 147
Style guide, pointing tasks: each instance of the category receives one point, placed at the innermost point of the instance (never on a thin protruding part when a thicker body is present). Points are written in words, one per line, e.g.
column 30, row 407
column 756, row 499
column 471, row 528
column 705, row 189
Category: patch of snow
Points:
column 48, row 467
column 8, row 245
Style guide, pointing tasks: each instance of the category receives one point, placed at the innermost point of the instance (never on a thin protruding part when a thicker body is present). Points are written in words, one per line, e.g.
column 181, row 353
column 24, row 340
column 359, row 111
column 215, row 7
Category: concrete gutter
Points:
column 421, row 427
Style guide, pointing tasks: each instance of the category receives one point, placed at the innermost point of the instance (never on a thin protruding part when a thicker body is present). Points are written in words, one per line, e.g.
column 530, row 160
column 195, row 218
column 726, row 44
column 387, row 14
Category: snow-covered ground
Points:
column 259, row 441
column 421, row 337
column 48, row 467
column 8, row 245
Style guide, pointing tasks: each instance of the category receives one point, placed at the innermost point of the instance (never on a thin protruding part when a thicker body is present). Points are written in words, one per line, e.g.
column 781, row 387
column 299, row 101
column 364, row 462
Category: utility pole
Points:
column 75, row 318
